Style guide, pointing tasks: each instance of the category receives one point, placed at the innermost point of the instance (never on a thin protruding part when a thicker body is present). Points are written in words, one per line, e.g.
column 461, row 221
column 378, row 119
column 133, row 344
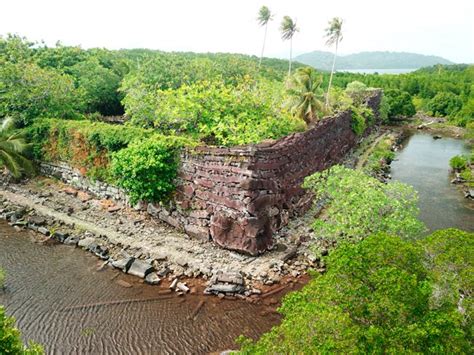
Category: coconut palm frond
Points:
column 264, row 16
column 13, row 151
column 7, row 124
column 10, row 163
column 334, row 36
column 306, row 95
column 288, row 28
column 14, row 145
column 334, row 31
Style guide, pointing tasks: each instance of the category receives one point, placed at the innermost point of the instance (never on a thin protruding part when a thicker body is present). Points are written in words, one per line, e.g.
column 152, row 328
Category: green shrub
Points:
column 445, row 104
column 10, row 339
column 362, row 117
column 381, row 154
column 375, row 298
column 400, row 103
column 466, row 174
column 357, row 91
column 28, row 92
column 458, row 162
column 83, row 144
column 147, row 169
column 358, row 205
column 214, row 112
column 358, row 122
column 451, row 264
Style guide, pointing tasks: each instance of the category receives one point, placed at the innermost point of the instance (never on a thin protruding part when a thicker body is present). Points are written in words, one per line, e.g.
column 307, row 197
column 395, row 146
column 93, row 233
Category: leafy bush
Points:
column 445, row 104
column 451, row 265
column 10, row 340
column 216, row 113
column 99, row 86
column 28, row 91
column 357, row 91
column 362, row 117
column 147, row 169
column 458, row 162
column 83, row 144
column 381, row 155
column 400, row 103
column 375, row 297
column 359, row 205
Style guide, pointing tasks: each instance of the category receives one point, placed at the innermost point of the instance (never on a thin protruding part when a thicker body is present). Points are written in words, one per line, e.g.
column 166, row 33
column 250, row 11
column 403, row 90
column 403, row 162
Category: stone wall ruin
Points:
column 239, row 196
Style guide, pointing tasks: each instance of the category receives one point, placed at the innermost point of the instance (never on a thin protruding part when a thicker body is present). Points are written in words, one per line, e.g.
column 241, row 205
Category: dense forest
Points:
column 57, row 94
column 370, row 60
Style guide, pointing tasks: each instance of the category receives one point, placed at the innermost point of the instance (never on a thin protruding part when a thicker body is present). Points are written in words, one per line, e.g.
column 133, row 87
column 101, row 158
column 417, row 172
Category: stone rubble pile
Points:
column 153, row 266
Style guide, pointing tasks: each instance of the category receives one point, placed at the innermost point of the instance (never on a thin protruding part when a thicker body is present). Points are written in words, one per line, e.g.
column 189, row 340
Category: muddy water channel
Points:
column 45, row 281
column 423, row 162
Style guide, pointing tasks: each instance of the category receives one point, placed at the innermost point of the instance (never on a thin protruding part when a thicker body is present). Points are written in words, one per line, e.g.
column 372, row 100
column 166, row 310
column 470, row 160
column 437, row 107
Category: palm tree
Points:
column 12, row 151
column 334, row 36
column 264, row 17
column 288, row 29
column 306, row 95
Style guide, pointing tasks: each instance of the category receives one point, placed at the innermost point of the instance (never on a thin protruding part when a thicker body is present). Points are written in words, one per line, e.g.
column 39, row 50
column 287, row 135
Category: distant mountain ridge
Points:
column 370, row 60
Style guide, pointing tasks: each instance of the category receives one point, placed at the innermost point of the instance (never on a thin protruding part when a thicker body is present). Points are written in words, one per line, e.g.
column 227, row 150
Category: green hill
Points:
column 370, row 60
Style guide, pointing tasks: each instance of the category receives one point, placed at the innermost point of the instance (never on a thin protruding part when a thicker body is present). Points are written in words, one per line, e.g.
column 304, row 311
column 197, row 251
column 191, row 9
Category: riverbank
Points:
column 124, row 237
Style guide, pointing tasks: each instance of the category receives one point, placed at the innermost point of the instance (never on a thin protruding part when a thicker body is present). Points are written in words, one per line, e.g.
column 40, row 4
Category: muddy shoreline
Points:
column 136, row 244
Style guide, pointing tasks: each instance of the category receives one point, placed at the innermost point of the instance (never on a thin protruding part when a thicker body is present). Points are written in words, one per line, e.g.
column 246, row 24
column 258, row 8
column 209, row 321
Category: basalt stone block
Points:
column 250, row 235
column 140, row 268
column 225, row 288
column 152, row 278
column 72, row 240
column 86, row 242
column 43, row 230
column 123, row 264
column 37, row 220
column 60, row 237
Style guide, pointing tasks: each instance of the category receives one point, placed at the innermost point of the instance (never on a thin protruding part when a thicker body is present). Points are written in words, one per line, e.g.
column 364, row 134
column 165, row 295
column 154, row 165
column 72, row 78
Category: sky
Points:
column 432, row 27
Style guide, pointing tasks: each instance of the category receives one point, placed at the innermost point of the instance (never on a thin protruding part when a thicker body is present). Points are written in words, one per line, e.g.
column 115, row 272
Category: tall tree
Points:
column 334, row 36
column 264, row 17
column 288, row 29
column 306, row 95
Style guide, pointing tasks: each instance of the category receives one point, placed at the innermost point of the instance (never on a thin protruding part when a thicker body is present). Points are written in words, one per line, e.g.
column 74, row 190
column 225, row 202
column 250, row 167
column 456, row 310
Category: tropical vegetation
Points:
column 381, row 295
column 10, row 339
column 359, row 205
column 385, row 290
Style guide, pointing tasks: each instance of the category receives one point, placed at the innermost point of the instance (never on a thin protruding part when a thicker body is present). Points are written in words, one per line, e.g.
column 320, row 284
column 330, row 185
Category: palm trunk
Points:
column 263, row 47
column 291, row 55
column 332, row 73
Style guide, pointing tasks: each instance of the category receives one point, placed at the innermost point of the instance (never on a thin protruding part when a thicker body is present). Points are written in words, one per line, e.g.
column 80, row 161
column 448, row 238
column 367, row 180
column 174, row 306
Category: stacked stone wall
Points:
column 240, row 196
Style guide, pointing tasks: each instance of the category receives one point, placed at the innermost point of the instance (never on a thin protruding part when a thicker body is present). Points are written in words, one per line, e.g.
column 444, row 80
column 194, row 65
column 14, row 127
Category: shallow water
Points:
column 424, row 163
column 44, row 280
